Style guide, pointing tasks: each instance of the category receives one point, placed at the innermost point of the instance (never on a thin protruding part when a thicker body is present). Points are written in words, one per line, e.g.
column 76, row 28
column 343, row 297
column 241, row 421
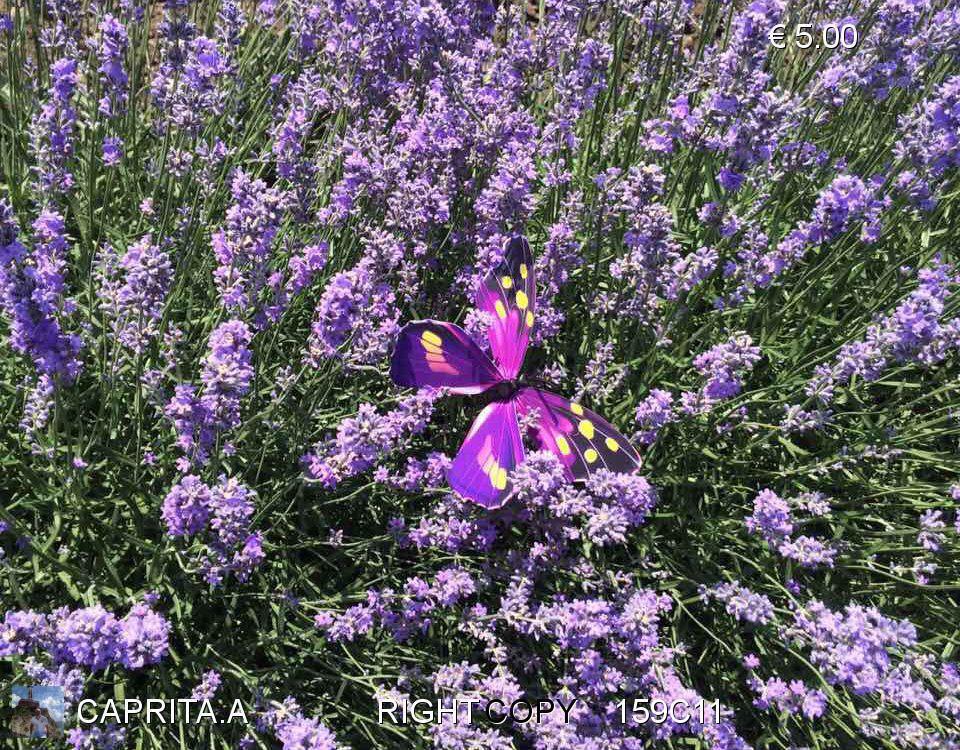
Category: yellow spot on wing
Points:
column 586, row 428
column 523, row 270
column 489, row 464
column 522, row 300
column 529, row 319
column 498, row 475
column 501, row 310
column 590, row 455
column 507, row 282
column 576, row 409
column 563, row 445
column 432, row 338
column 612, row 444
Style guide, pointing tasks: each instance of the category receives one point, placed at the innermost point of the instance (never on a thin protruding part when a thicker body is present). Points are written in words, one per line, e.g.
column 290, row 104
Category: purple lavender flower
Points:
column 845, row 203
column 633, row 495
column 651, row 252
column 133, row 291
column 222, row 514
column 295, row 731
column 653, row 413
column 772, row 518
column 602, row 376
column 113, row 77
column 688, row 272
column 243, row 247
column 577, row 88
column 186, row 508
column 559, row 257
column 738, row 113
column 304, row 266
column 32, row 288
column 809, row 552
column 226, row 375
column 724, row 367
column 362, row 440
column 904, row 43
column 355, row 305
column 36, row 410
column 88, row 637
column 913, row 332
column 304, row 98
column 857, row 647
column 112, row 151
column 54, row 130
column 452, row 585
column 930, row 136
column 231, row 23
column 506, row 201
column 176, row 32
column 356, row 620
column 107, row 737
column 191, row 421
column 22, row 632
column 200, row 91
column 741, row 602
column 931, row 536
column 231, row 507
column 208, row 686
column 403, row 616
column 143, row 637
column 798, row 421
column 793, row 698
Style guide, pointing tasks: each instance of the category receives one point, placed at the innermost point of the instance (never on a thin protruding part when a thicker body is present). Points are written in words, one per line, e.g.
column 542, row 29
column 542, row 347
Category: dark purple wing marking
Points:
column 582, row 440
column 439, row 354
column 492, row 449
column 509, row 295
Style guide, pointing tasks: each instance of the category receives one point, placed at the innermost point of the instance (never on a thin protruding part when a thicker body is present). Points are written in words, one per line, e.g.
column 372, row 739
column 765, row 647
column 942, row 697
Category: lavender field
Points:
column 216, row 219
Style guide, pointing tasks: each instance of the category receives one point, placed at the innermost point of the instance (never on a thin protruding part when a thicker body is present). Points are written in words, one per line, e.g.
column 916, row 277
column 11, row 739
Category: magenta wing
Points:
column 509, row 295
column 439, row 354
column 582, row 440
column 492, row 449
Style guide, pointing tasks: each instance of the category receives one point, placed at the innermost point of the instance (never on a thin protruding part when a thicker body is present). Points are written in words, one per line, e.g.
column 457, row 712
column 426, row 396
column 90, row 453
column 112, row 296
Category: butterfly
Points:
column 440, row 354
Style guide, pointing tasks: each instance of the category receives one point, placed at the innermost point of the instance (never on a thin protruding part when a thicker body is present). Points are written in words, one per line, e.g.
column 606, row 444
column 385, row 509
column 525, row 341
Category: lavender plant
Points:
column 216, row 216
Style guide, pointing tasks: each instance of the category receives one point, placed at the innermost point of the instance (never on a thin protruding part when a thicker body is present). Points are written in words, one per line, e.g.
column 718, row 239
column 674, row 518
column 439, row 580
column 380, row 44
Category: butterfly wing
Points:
column 509, row 295
column 491, row 450
column 440, row 354
column 582, row 440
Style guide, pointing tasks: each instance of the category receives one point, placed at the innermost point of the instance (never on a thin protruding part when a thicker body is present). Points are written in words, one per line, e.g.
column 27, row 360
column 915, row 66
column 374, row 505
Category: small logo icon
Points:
column 37, row 711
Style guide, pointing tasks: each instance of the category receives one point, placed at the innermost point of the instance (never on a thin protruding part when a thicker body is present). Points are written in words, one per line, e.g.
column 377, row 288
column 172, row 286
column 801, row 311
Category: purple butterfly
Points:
column 439, row 354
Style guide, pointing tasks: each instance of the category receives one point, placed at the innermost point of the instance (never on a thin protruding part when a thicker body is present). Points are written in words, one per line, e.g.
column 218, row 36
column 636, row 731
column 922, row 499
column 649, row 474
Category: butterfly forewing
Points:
column 491, row 451
column 582, row 440
column 509, row 295
column 440, row 354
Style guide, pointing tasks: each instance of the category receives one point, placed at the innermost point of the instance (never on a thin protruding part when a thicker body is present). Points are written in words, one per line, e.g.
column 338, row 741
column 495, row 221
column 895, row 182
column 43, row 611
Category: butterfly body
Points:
column 505, row 390
column 441, row 354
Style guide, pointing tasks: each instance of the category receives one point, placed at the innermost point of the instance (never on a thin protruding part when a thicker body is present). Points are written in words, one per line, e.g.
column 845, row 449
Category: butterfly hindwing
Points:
column 582, row 440
column 509, row 295
column 492, row 449
column 440, row 354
